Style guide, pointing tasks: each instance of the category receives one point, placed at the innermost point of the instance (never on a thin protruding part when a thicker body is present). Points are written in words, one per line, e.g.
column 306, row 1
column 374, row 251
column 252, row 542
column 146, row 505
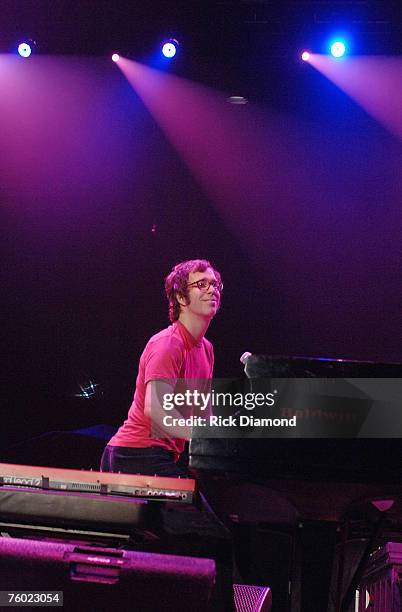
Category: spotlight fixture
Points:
column 24, row 49
column 338, row 48
column 305, row 56
column 115, row 57
column 170, row 48
column 237, row 100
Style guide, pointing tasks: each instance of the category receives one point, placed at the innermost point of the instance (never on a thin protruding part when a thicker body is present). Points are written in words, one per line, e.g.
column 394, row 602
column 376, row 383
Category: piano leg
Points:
column 313, row 559
column 197, row 532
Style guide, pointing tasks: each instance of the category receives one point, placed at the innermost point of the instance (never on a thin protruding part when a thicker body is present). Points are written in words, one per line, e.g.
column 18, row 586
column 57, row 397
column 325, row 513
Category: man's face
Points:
column 204, row 301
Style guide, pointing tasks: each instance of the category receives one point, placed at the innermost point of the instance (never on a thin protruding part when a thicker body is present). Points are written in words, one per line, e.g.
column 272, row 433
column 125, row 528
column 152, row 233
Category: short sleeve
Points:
column 164, row 360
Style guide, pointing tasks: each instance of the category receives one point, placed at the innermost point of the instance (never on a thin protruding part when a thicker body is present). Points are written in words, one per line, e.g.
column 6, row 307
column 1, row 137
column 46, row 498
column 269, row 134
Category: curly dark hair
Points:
column 176, row 283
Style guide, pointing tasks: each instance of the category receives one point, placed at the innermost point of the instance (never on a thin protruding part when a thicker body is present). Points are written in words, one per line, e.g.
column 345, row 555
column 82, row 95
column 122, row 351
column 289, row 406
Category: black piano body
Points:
column 308, row 485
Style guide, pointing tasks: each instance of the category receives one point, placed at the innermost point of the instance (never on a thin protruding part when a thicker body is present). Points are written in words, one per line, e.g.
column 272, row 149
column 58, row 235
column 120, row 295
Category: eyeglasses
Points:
column 204, row 284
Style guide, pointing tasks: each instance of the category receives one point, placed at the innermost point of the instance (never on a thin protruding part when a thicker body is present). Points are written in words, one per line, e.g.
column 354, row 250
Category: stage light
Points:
column 115, row 57
column 88, row 390
column 338, row 48
column 237, row 100
column 169, row 48
column 305, row 56
column 24, row 49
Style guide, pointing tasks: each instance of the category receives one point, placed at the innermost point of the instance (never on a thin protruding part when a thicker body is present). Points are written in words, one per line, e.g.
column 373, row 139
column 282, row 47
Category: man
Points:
column 181, row 351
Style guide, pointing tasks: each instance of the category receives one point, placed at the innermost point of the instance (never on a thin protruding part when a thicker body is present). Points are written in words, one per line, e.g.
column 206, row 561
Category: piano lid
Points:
column 267, row 366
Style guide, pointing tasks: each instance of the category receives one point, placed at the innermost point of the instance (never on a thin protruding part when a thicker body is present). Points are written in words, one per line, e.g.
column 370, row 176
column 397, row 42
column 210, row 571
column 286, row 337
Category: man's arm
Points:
column 155, row 409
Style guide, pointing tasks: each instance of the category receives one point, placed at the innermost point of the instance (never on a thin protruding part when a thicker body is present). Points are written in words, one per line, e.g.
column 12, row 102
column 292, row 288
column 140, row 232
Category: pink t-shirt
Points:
column 172, row 353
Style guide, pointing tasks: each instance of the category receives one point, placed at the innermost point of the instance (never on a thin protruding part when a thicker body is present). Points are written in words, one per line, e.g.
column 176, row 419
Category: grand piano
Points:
column 322, row 491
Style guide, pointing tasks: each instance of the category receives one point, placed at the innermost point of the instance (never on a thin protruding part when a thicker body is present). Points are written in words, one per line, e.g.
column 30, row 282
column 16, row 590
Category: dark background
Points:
column 97, row 205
